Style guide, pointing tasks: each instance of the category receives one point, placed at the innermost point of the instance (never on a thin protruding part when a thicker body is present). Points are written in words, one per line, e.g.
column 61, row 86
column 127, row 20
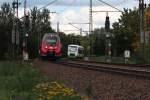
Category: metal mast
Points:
column 25, row 35
column 90, row 18
column 15, row 32
column 80, row 29
column 142, row 33
column 58, row 30
column 25, row 7
column 91, row 25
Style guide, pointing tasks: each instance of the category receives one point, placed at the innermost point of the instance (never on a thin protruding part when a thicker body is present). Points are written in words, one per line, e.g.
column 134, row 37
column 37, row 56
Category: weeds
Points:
column 18, row 79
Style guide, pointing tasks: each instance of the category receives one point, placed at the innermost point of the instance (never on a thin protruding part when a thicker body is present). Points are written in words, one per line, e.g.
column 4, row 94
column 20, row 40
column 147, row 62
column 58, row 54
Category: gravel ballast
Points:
column 99, row 85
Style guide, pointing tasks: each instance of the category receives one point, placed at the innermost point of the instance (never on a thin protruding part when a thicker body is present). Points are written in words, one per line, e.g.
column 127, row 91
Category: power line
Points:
column 70, row 30
column 106, row 11
column 73, row 2
column 120, row 3
column 74, row 26
column 80, row 23
column 48, row 4
column 110, row 5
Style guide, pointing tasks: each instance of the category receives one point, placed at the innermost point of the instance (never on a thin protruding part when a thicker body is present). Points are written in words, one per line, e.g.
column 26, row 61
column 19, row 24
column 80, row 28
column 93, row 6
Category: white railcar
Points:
column 75, row 51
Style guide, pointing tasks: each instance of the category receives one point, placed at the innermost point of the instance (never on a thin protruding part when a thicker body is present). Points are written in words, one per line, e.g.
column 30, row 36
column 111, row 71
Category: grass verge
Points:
column 17, row 80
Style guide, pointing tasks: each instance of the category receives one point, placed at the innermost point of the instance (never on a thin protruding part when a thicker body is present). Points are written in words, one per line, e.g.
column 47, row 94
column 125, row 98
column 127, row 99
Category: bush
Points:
column 55, row 91
column 18, row 79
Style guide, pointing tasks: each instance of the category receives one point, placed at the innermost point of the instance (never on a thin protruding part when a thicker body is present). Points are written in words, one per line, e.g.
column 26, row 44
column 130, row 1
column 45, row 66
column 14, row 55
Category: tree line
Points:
column 35, row 24
column 124, row 33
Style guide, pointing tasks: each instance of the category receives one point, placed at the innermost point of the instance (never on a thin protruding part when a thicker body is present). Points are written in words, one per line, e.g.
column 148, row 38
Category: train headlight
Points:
column 55, row 47
column 46, row 47
column 51, row 47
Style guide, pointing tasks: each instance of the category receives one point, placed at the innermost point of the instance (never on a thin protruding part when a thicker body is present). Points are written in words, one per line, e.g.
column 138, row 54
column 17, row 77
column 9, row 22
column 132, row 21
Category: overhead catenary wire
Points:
column 74, row 26
column 73, row 2
column 48, row 4
column 110, row 5
column 52, row 2
column 120, row 3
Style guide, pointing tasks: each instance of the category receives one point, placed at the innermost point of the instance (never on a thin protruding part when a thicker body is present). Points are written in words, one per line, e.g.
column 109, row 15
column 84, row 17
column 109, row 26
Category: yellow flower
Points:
column 39, row 98
column 48, row 90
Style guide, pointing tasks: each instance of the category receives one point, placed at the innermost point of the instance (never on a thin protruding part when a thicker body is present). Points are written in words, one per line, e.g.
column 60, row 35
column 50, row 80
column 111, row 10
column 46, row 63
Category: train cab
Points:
column 50, row 46
column 75, row 51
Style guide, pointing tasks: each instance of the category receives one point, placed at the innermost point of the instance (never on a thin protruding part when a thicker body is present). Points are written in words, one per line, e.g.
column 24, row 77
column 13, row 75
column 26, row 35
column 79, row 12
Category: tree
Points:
column 5, row 29
column 67, row 40
column 99, row 43
column 35, row 24
column 126, row 31
column 40, row 24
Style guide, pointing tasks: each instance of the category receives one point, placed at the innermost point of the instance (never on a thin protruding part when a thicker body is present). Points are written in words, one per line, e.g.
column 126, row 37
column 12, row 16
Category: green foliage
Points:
column 89, row 90
column 5, row 29
column 18, row 79
column 85, row 42
column 125, row 31
column 67, row 40
column 99, row 41
column 55, row 91
column 40, row 25
column 62, row 97
column 36, row 24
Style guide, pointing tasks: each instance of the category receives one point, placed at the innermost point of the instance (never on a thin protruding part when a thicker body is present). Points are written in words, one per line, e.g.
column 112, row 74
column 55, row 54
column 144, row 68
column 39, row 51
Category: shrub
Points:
column 55, row 91
column 18, row 79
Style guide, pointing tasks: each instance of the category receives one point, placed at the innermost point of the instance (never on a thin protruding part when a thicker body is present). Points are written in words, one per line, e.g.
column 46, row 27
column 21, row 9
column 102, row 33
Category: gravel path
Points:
column 103, row 86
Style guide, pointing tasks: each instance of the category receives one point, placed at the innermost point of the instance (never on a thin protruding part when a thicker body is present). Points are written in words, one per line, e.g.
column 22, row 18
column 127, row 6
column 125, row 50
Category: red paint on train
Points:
column 50, row 46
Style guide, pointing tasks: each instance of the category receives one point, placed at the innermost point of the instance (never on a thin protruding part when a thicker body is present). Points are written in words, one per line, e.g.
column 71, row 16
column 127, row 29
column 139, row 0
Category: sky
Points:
column 77, row 11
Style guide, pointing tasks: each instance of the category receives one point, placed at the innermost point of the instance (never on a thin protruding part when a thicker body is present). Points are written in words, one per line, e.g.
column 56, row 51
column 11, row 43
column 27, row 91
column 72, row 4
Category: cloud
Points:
column 21, row 12
column 77, row 11
column 82, row 16
column 32, row 3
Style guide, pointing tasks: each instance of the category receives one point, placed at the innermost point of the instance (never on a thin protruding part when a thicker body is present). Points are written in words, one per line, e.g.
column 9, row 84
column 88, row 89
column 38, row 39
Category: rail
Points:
column 137, row 71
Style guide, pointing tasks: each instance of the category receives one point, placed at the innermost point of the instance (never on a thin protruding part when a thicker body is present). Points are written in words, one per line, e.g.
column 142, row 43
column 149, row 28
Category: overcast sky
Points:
column 77, row 11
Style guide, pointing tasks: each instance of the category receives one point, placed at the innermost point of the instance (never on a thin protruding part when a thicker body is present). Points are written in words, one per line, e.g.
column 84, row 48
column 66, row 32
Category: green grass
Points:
column 4, row 95
column 17, row 79
column 132, row 60
column 61, row 97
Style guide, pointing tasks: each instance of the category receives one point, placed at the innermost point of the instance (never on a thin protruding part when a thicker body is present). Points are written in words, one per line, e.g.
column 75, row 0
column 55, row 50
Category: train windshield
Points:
column 73, row 48
column 50, row 39
column 80, row 50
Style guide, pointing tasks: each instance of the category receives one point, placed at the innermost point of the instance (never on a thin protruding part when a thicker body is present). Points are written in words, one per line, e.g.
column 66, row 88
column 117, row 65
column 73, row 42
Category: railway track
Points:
column 120, row 64
column 142, row 71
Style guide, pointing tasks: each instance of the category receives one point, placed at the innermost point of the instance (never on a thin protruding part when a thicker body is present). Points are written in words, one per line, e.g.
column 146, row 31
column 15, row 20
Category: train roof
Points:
column 79, row 46
column 51, row 33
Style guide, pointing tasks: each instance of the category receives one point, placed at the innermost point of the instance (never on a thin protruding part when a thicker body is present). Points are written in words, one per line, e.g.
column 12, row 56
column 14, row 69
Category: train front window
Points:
column 51, row 40
column 80, row 50
column 73, row 49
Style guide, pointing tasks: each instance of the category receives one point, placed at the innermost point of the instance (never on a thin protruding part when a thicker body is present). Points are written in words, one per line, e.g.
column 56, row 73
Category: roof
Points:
column 76, row 45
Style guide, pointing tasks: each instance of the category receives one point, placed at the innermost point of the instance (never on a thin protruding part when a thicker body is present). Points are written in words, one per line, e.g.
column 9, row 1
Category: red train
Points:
column 50, row 46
